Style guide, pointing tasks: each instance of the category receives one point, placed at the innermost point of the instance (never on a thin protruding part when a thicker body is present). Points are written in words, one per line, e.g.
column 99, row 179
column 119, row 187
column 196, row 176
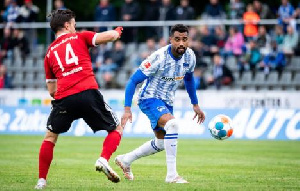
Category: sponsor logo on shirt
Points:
column 171, row 79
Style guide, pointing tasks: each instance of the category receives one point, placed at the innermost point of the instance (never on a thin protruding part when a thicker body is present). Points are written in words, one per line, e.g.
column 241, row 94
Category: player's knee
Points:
column 159, row 144
column 119, row 129
column 164, row 119
column 171, row 126
column 52, row 137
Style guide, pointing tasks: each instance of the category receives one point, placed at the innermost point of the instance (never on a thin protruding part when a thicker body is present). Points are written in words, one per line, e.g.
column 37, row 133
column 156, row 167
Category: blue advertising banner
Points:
column 247, row 123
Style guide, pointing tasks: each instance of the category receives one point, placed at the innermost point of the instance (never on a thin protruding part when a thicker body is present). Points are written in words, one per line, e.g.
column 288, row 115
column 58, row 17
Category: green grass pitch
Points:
column 206, row 164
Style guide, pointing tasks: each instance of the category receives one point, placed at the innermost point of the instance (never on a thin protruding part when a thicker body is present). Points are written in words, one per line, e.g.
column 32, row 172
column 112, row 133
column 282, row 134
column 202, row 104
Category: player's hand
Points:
column 119, row 30
column 199, row 114
column 126, row 115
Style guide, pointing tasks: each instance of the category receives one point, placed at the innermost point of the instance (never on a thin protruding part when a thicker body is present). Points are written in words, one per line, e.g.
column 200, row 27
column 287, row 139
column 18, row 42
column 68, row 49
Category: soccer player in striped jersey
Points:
column 162, row 72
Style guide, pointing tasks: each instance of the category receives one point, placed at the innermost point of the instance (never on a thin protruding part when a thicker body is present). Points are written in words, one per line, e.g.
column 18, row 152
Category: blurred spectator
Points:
column 197, row 47
column 19, row 40
column 107, row 70
column 251, row 58
column 221, row 37
column 222, row 75
column 104, row 12
column 234, row 43
column 5, row 79
column 184, row 11
column 59, row 5
column 200, row 82
column 262, row 10
column 290, row 42
column 251, row 20
column 28, row 12
column 11, row 14
column 117, row 54
column 274, row 60
column 286, row 14
column 145, row 51
column 162, row 42
column 6, row 4
column 263, row 40
column 166, row 11
column 278, row 36
column 214, row 11
column 297, row 12
column 151, row 13
column 209, row 41
column 97, row 56
column 130, row 11
column 236, row 9
column 6, row 44
column 193, row 34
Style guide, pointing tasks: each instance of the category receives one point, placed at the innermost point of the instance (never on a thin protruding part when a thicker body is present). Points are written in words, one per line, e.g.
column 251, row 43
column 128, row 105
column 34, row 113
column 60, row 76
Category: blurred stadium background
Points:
column 256, row 45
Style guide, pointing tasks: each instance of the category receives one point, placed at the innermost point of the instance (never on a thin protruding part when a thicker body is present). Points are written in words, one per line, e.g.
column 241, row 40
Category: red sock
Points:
column 45, row 158
column 110, row 144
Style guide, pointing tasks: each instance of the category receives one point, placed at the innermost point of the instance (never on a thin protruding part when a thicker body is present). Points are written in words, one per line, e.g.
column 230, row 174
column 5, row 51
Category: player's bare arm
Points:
column 127, row 115
column 198, row 114
column 52, row 87
column 108, row 36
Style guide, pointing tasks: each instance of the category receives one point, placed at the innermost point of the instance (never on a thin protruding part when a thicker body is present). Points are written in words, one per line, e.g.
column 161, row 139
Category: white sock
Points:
column 170, row 142
column 148, row 148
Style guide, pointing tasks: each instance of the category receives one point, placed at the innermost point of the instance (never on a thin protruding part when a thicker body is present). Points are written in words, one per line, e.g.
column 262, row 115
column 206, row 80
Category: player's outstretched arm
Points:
column 189, row 83
column 134, row 80
column 109, row 36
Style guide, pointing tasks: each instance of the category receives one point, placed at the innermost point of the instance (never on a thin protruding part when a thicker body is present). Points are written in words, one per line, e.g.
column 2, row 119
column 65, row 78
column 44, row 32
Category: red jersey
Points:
column 68, row 61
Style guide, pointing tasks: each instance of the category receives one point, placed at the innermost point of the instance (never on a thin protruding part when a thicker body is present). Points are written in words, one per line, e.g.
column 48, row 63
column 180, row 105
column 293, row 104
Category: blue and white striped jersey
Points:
column 164, row 73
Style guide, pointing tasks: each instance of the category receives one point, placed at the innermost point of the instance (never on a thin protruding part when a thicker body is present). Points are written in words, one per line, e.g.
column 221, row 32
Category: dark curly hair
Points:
column 180, row 28
column 59, row 17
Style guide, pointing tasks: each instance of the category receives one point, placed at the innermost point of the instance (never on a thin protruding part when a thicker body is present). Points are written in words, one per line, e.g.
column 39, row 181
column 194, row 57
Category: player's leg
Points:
column 150, row 108
column 148, row 148
column 110, row 145
column 59, row 121
column 45, row 158
column 99, row 116
column 170, row 142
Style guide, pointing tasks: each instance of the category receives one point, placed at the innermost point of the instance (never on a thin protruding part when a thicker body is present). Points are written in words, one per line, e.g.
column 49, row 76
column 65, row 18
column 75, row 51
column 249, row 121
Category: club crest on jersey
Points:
column 161, row 108
column 185, row 67
column 147, row 65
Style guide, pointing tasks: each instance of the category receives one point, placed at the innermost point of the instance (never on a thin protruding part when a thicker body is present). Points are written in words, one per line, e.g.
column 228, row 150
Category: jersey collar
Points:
column 60, row 35
column 170, row 52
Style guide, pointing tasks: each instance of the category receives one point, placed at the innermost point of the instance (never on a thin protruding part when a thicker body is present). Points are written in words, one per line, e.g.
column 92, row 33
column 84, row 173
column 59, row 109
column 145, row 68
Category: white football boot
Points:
column 41, row 184
column 102, row 166
column 125, row 167
column 178, row 179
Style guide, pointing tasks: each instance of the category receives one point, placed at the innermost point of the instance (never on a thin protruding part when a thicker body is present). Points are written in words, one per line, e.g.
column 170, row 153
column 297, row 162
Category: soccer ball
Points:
column 220, row 127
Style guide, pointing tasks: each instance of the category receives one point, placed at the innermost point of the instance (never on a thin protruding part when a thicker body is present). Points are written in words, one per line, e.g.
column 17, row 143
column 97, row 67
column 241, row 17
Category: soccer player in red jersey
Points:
column 71, row 82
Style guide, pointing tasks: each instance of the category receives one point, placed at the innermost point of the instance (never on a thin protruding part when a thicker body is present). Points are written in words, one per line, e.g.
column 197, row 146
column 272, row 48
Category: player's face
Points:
column 179, row 42
column 71, row 26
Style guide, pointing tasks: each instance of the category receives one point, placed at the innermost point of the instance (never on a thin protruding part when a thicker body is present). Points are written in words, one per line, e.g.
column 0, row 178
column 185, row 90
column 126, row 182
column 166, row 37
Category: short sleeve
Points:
column 89, row 37
column 150, row 65
column 192, row 63
column 50, row 77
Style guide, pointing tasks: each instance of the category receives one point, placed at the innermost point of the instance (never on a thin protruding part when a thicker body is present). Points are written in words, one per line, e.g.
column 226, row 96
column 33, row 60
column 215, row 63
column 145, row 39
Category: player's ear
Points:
column 67, row 25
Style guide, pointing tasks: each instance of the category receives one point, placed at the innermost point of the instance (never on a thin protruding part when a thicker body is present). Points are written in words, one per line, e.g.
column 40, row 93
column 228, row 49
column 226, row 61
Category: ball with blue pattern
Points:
column 220, row 127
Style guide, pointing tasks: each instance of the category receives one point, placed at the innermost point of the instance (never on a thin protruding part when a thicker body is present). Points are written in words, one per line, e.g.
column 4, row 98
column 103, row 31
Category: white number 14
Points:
column 69, row 59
